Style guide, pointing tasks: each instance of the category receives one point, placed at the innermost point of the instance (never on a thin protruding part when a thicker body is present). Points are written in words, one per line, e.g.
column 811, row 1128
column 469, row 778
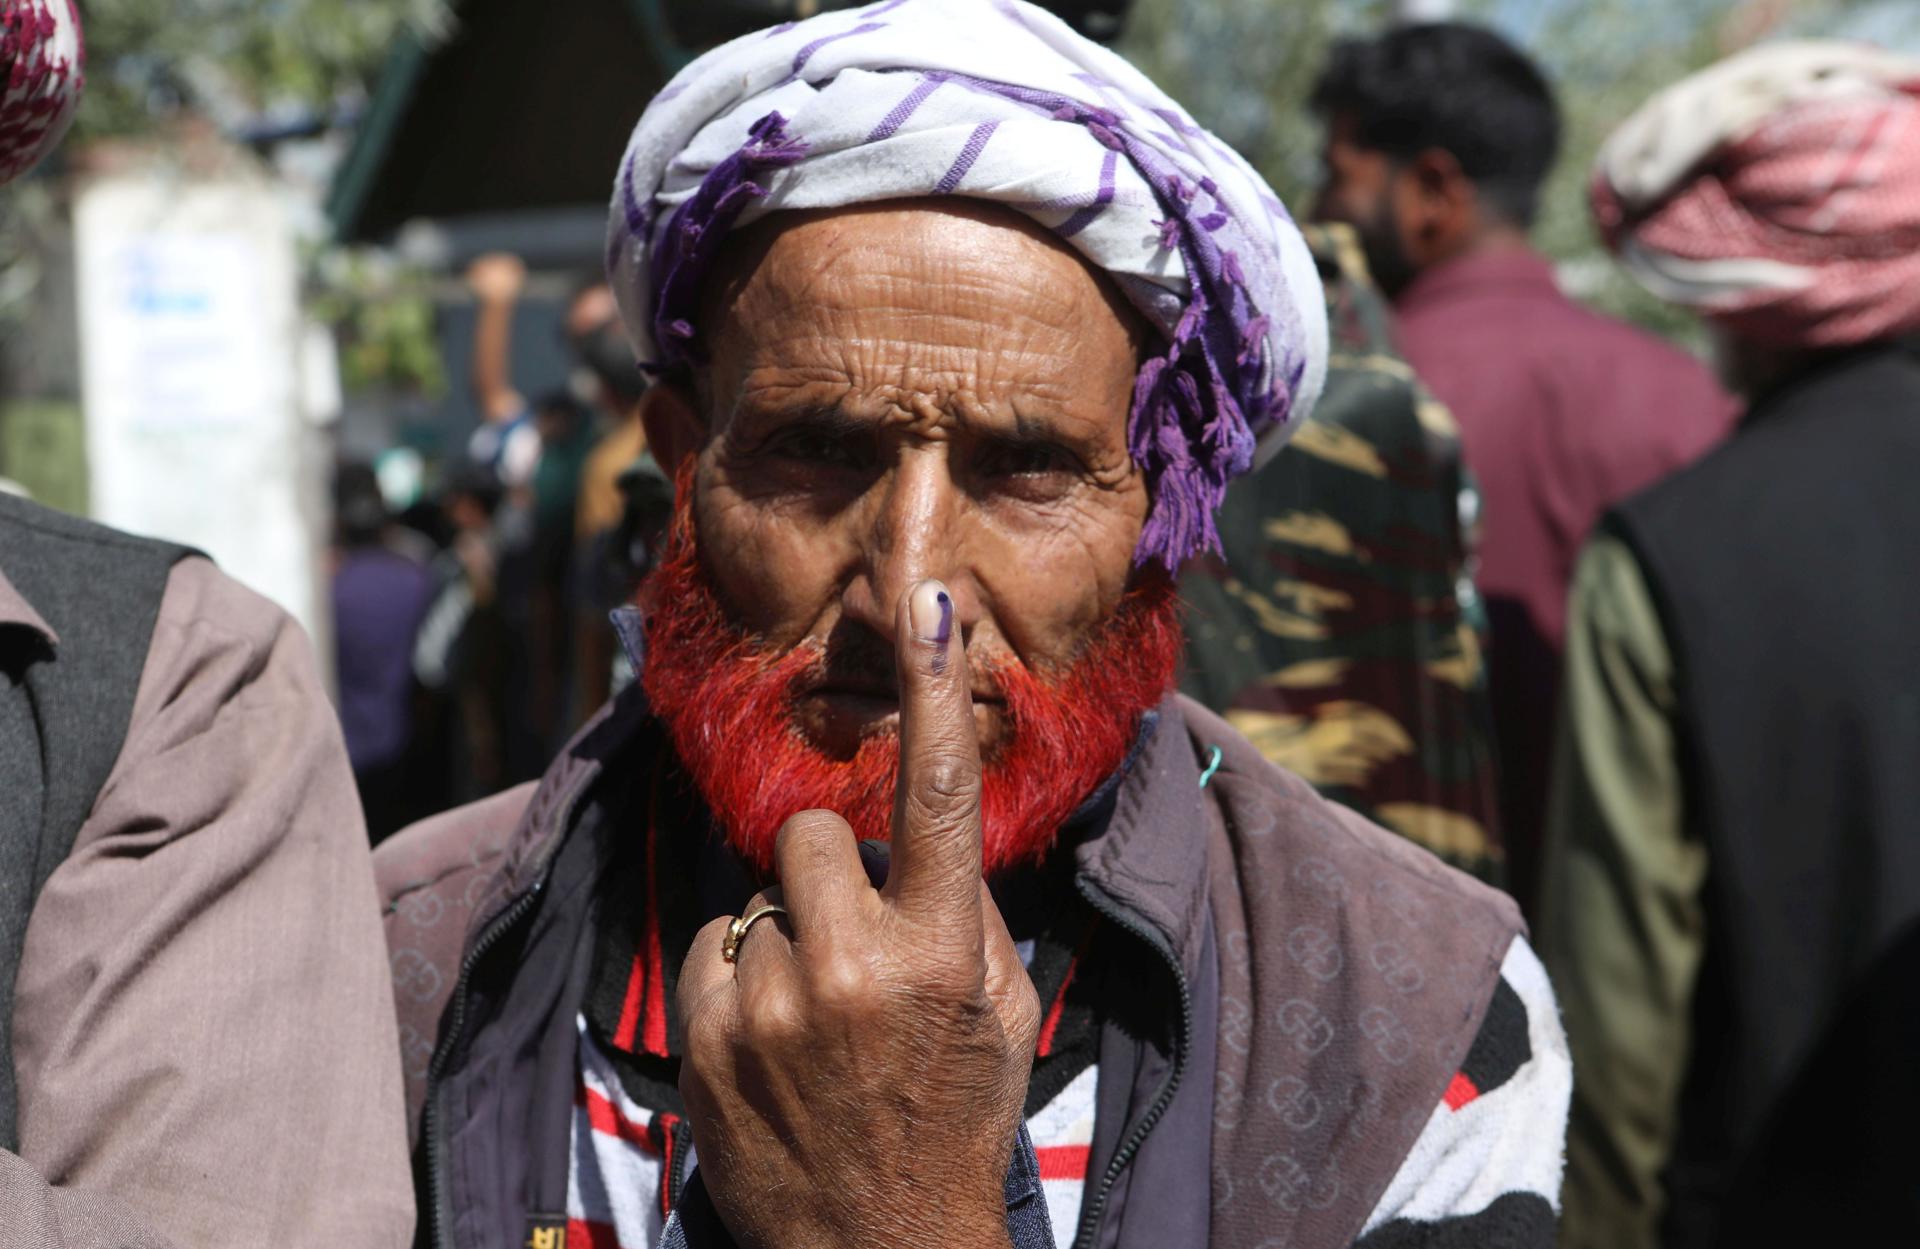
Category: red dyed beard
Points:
column 730, row 708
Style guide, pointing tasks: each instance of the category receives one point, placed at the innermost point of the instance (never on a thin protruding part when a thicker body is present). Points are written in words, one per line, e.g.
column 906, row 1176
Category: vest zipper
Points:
column 682, row 1142
column 430, row 1121
column 498, row 927
column 1092, row 1210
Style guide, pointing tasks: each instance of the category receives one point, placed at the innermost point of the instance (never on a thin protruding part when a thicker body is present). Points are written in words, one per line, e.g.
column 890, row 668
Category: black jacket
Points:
column 1786, row 569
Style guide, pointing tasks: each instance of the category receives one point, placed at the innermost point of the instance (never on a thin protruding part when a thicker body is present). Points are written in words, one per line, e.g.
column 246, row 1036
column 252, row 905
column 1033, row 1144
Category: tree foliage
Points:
column 148, row 63
column 1246, row 67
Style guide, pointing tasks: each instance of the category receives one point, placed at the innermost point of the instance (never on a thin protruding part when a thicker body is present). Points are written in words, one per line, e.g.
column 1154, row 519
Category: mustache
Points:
column 725, row 696
column 855, row 659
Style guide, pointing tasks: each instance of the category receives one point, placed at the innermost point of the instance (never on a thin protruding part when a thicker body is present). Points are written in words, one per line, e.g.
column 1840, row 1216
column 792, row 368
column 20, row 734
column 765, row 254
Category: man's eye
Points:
column 1024, row 461
column 815, row 448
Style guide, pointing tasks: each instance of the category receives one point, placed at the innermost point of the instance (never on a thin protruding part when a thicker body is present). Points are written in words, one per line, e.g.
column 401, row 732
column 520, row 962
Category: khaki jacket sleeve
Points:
column 204, row 1035
column 1623, row 924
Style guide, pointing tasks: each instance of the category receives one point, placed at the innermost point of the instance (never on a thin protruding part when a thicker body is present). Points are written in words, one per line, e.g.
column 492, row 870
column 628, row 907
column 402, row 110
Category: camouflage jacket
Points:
column 1340, row 630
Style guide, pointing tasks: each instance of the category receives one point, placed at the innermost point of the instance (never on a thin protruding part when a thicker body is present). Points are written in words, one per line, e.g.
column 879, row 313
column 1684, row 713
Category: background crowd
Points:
column 1483, row 597
column 471, row 626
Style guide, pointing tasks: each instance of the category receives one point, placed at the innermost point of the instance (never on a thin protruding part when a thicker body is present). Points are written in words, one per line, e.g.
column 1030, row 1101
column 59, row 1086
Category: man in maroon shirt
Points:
column 1439, row 137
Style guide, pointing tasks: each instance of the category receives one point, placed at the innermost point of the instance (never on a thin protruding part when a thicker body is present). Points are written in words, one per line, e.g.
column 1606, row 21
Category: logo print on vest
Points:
column 1236, row 1024
column 415, row 976
column 1323, row 877
column 1388, row 1034
column 1294, row 1102
column 1292, row 1187
column 1392, row 961
column 1314, row 949
column 1227, row 1102
column 1302, row 1020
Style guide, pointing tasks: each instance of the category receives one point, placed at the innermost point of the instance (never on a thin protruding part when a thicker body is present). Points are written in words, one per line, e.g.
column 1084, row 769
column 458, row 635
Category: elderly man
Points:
column 962, row 329
column 1734, row 879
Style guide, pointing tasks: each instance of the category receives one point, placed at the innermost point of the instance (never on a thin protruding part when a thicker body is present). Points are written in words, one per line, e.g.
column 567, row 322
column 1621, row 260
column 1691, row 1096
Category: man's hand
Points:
column 496, row 280
column 497, row 277
column 858, row 1076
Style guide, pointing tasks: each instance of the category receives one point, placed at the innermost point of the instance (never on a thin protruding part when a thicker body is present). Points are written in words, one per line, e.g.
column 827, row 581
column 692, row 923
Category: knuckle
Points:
column 774, row 1022
column 1024, row 1025
column 948, row 777
column 843, row 985
column 947, row 984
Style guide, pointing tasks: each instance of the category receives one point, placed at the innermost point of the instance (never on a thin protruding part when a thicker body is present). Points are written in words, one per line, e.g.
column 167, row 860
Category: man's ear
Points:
column 676, row 429
column 1446, row 205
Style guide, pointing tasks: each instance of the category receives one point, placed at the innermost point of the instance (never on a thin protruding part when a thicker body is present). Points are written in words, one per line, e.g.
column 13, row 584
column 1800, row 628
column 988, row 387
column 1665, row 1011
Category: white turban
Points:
column 1001, row 101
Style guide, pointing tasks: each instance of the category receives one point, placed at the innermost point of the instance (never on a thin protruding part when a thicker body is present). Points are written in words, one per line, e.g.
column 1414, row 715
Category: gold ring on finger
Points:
column 737, row 930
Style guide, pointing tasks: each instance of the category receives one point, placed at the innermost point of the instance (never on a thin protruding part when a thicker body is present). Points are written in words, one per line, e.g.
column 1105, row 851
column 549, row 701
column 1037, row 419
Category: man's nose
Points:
column 912, row 532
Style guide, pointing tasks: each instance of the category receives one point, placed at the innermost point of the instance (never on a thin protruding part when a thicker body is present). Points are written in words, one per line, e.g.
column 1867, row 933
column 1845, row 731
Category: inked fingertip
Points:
column 930, row 612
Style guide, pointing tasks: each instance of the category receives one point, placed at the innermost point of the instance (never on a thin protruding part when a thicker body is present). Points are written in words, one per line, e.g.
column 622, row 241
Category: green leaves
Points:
column 1245, row 69
column 148, row 63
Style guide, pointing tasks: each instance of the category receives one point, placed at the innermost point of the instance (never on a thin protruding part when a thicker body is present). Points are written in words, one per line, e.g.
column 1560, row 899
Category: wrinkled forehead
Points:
column 918, row 288
column 928, row 251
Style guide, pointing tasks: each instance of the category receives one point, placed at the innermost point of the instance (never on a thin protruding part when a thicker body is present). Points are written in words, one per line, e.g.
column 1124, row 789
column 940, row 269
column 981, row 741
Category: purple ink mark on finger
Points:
column 942, row 632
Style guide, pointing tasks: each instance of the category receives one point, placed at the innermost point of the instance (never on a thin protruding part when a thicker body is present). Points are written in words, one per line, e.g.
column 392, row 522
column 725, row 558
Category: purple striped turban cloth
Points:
column 996, row 100
column 40, row 79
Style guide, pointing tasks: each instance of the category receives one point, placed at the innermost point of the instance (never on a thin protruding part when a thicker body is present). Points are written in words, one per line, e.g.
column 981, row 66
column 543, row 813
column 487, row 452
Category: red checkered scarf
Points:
column 1777, row 192
column 40, row 79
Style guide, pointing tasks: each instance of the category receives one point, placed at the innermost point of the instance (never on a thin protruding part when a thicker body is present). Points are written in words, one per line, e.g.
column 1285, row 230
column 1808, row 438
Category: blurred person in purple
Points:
column 1439, row 137
column 380, row 597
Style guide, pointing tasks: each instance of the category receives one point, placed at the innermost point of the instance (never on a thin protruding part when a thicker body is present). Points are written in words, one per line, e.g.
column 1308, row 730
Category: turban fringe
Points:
column 40, row 79
column 1189, row 233
column 1777, row 193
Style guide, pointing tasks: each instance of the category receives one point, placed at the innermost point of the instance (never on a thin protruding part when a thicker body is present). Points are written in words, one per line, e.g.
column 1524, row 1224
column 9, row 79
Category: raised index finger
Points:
column 936, row 803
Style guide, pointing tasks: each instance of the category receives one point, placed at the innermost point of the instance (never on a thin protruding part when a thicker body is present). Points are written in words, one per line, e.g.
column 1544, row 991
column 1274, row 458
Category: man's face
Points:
column 1363, row 188
column 893, row 394
column 899, row 394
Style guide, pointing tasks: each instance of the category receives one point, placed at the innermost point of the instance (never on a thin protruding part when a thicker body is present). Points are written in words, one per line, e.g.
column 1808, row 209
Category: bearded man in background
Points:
column 902, row 902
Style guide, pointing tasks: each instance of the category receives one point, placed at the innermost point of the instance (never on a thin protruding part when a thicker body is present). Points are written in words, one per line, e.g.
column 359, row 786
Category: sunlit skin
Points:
column 905, row 391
